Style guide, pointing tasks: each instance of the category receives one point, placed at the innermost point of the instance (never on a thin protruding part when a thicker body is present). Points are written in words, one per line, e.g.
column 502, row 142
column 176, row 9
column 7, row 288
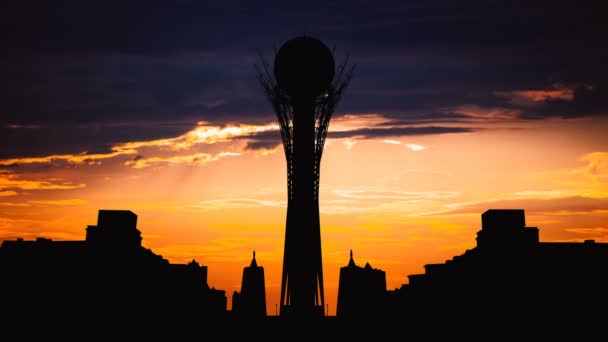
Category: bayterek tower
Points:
column 304, row 88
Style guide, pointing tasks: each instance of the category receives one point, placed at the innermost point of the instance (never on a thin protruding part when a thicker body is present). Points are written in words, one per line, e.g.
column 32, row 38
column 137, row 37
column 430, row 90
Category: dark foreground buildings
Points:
column 511, row 279
column 107, row 280
column 508, row 285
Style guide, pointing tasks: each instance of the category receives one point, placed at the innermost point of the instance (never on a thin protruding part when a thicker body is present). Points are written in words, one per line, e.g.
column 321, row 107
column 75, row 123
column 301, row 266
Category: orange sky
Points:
column 397, row 202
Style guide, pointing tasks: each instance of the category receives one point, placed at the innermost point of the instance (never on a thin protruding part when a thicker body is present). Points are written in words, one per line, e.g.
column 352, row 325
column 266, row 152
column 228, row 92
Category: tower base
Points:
column 313, row 312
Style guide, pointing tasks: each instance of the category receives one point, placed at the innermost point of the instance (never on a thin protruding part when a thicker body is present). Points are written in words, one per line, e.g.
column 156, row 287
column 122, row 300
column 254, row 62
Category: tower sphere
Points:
column 304, row 67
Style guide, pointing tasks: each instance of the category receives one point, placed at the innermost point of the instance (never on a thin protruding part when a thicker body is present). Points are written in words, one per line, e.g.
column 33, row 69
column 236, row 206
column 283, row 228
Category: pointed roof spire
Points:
column 351, row 262
column 253, row 262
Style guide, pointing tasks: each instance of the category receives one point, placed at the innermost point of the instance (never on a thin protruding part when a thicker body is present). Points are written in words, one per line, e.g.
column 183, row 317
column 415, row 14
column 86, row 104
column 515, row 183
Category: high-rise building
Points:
column 361, row 291
column 251, row 301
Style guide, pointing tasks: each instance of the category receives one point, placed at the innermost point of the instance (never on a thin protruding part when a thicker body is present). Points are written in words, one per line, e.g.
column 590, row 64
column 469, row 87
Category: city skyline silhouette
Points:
column 454, row 110
column 110, row 274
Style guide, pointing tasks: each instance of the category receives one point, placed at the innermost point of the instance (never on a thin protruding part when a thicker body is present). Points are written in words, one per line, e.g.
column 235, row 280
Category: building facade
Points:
column 361, row 291
column 109, row 274
column 251, row 301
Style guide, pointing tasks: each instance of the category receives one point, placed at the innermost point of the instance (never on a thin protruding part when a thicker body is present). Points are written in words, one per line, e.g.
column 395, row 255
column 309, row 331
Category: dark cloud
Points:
column 270, row 139
column 428, row 118
column 370, row 133
column 68, row 63
column 262, row 144
column 117, row 88
column 75, row 139
column 160, row 26
column 263, row 140
column 588, row 101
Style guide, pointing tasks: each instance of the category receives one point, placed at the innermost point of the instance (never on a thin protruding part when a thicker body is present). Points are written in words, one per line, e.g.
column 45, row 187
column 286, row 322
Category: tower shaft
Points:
column 302, row 280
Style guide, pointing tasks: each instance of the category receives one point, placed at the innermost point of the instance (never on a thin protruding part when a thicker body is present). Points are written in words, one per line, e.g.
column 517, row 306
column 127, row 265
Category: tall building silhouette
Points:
column 304, row 91
column 361, row 291
column 110, row 274
column 251, row 301
column 510, row 272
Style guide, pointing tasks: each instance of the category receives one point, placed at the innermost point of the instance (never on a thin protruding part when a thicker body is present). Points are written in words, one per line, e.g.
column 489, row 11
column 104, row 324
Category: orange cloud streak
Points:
column 597, row 165
column 533, row 96
column 197, row 158
column 71, row 158
column 10, row 181
column 201, row 134
column 74, row 201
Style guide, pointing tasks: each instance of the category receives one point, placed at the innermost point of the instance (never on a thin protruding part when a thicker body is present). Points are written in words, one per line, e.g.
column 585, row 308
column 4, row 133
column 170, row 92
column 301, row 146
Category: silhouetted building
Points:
column 361, row 291
column 107, row 275
column 509, row 273
column 251, row 301
column 115, row 228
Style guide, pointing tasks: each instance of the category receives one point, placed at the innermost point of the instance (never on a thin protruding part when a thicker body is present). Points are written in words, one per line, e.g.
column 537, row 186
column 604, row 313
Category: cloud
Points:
column 262, row 145
column 73, row 138
column 194, row 159
column 590, row 178
column 597, row 166
column 402, row 195
column 352, row 127
column 592, row 230
column 340, row 206
column 441, row 116
column 415, row 147
column 349, row 144
column 543, row 193
column 535, row 96
column 7, row 193
column 596, row 233
column 161, row 29
column 586, row 100
column 572, row 204
column 477, row 113
column 237, row 203
column 69, row 158
column 263, row 140
column 343, row 209
column 14, row 204
column 10, row 181
column 215, row 104
column 367, row 133
column 62, row 202
column 202, row 134
column 29, row 229
column 151, row 72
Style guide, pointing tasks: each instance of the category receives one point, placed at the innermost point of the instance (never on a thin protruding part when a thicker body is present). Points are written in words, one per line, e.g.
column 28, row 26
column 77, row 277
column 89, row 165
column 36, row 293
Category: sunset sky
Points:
column 455, row 107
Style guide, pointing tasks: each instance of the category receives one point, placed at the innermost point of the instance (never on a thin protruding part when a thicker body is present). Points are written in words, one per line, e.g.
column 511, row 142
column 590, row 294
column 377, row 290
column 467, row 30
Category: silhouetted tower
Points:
column 361, row 291
column 304, row 91
column 251, row 302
